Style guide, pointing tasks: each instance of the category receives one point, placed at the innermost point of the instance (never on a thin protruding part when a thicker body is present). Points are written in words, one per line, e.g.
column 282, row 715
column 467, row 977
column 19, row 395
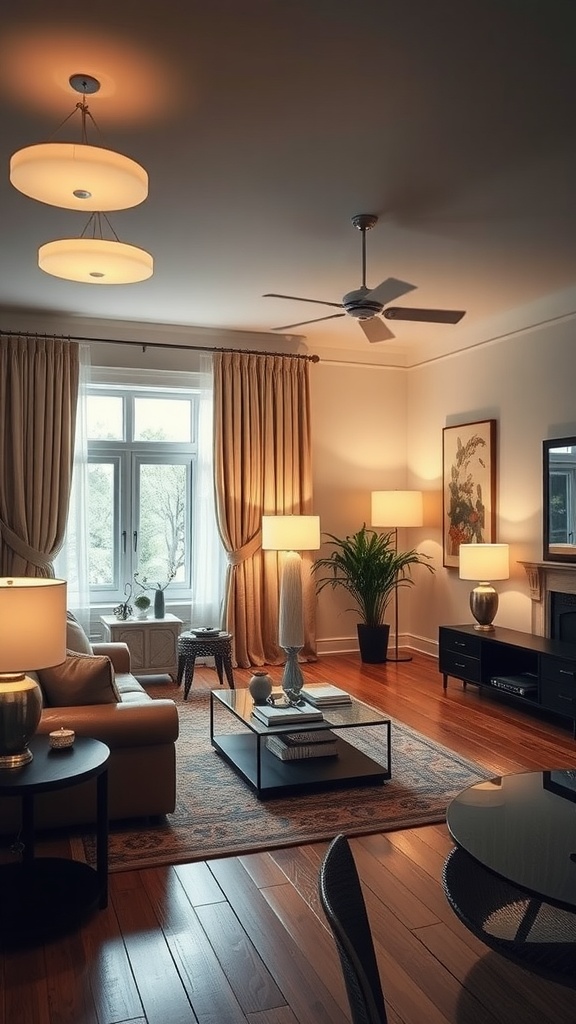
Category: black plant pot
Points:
column 373, row 643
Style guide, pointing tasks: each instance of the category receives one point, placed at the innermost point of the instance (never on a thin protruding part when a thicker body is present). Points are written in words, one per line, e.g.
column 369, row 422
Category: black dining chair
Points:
column 343, row 903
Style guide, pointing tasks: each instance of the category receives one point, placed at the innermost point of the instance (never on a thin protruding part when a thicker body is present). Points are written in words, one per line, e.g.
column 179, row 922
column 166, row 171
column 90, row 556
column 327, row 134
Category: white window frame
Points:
column 127, row 457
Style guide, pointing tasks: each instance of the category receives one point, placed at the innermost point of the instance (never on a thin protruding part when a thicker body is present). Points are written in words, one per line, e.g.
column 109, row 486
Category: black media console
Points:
column 531, row 669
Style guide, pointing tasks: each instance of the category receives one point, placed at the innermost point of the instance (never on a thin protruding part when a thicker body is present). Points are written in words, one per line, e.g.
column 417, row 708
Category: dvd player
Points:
column 522, row 685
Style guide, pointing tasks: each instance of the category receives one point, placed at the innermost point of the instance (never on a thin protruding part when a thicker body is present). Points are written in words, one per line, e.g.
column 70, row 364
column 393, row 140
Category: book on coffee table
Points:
column 302, row 751
column 325, row 695
column 274, row 715
column 307, row 736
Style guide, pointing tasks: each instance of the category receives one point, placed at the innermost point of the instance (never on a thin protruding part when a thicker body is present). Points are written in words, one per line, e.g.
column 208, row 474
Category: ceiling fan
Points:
column 366, row 304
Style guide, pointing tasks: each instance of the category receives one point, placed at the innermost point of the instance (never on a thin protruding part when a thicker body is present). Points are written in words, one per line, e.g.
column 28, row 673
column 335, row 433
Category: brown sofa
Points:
column 141, row 734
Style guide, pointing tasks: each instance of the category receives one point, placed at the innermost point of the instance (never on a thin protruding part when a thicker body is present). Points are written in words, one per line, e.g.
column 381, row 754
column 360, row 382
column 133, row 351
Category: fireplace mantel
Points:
column 543, row 578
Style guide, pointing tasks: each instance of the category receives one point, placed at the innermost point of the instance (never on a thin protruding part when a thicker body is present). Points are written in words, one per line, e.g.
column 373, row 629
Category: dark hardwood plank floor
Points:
column 242, row 940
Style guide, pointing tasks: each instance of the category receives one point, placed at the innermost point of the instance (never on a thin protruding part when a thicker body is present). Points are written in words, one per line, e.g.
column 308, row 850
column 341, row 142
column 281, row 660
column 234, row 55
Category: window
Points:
column 142, row 454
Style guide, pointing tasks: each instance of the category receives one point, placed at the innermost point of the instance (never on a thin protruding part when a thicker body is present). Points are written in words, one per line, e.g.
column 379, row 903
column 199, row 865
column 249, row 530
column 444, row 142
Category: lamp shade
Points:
column 76, row 176
column 95, row 261
column 397, row 508
column 484, row 562
column 32, row 623
column 290, row 533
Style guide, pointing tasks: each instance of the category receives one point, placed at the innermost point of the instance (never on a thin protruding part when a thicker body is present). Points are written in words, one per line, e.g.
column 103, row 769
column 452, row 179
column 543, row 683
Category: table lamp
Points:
column 291, row 534
column 32, row 636
column 484, row 562
column 394, row 509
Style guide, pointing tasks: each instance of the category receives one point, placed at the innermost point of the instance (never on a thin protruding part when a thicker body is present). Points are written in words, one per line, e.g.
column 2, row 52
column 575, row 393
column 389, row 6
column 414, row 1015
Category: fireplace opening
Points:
column 563, row 617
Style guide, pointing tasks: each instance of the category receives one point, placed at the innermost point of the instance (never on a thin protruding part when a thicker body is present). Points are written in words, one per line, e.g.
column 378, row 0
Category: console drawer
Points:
column 460, row 643
column 460, row 666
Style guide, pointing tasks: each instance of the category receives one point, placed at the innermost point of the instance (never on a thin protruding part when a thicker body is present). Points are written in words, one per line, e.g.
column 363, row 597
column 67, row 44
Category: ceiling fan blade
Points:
column 375, row 329
column 288, row 327
column 431, row 316
column 299, row 298
column 390, row 289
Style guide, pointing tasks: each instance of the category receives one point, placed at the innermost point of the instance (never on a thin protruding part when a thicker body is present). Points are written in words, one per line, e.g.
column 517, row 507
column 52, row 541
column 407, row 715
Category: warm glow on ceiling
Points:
column 136, row 86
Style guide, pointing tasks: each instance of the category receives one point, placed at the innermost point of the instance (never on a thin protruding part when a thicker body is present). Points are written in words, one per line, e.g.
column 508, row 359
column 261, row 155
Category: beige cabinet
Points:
column 152, row 642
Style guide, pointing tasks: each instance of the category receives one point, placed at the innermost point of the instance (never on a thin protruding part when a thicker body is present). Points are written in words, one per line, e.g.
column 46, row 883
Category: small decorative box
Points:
column 60, row 739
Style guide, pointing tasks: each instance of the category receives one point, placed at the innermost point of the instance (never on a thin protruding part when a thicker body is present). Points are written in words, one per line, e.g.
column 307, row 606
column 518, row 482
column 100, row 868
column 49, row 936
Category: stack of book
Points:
column 325, row 696
column 272, row 714
column 300, row 745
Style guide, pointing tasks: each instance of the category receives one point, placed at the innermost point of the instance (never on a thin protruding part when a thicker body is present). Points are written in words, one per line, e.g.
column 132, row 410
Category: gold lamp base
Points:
column 20, row 710
column 484, row 605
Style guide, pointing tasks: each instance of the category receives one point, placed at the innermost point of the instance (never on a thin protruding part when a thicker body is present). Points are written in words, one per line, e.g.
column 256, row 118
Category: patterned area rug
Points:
column 217, row 814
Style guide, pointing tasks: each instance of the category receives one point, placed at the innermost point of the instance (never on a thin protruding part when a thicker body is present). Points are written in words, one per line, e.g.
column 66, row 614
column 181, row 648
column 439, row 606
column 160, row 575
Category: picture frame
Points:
column 469, row 487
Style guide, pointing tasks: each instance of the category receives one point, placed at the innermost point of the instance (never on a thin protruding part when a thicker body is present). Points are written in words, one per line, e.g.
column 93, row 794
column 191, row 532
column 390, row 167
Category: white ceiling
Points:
column 266, row 125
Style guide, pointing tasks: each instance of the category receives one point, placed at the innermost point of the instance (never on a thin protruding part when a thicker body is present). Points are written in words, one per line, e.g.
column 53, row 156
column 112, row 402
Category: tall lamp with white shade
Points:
column 32, row 636
column 484, row 562
column 291, row 535
column 395, row 509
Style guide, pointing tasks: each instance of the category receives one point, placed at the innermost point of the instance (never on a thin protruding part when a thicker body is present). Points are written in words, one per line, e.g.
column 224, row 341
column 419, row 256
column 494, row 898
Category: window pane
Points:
column 164, row 515
column 161, row 419
column 105, row 418
column 101, row 523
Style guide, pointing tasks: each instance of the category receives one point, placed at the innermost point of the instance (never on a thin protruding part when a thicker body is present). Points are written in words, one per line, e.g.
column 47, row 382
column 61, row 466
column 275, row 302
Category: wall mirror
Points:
column 559, row 507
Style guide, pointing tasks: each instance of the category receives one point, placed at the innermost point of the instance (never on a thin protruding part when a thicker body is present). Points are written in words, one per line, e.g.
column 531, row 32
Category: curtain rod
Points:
column 154, row 344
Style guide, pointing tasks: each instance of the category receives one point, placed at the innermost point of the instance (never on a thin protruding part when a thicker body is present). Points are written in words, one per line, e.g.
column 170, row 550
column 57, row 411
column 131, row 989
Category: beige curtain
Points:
column 38, row 394
column 262, row 466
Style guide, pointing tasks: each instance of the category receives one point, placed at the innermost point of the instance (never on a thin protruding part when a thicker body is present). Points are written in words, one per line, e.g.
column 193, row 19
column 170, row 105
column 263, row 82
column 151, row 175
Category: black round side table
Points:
column 45, row 896
column 191, row 647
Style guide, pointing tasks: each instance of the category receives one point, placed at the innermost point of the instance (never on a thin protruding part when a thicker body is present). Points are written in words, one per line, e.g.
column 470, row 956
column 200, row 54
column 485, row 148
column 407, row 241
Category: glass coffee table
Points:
column 240, row 739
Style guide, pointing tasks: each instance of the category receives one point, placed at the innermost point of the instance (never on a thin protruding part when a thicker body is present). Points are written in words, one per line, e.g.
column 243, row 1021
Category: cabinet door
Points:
column 558, row 685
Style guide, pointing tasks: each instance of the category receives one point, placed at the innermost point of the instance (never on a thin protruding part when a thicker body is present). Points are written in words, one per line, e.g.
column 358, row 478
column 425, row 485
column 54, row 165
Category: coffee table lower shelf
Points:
column 350, row 767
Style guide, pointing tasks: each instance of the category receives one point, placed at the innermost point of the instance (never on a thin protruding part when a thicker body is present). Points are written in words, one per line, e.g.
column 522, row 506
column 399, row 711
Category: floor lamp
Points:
column 395, row 509
column 291, row 535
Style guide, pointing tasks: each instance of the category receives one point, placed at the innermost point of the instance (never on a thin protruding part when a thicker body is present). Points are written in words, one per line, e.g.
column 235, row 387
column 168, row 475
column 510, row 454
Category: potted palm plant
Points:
column 369, row 567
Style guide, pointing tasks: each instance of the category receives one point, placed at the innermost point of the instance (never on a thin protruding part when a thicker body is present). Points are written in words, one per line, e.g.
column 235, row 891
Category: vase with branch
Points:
column 158, row 588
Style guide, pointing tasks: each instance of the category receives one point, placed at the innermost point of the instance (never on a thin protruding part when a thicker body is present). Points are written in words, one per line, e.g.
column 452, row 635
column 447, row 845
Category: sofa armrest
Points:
column 118, row 652
column 119, row 725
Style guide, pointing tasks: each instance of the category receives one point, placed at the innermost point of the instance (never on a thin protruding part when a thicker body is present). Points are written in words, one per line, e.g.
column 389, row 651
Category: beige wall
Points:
column 527, row 383
column 359, row 445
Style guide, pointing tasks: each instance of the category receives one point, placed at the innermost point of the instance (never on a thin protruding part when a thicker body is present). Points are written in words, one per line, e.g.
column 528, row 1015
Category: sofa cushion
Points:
column 76, row 639
column 81, row 679
column 129, row 688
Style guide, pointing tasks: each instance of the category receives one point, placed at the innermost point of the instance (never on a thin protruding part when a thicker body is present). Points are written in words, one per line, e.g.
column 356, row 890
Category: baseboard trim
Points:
column 349, row 645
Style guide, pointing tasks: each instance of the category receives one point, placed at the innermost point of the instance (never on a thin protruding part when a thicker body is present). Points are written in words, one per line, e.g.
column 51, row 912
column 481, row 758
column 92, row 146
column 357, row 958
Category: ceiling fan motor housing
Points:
column 361, row 308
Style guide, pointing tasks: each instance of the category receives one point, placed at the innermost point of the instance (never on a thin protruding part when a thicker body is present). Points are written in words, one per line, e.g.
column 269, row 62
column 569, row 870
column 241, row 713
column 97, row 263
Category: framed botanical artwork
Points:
column 469, row 487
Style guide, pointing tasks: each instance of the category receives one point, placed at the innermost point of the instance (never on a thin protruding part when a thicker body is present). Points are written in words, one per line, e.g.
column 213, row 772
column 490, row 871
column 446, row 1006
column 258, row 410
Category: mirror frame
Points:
column 551, row 553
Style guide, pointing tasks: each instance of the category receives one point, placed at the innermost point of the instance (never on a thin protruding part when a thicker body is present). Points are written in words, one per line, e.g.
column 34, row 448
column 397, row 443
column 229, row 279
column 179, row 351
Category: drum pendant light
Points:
column 78, row 176
column 95, row 259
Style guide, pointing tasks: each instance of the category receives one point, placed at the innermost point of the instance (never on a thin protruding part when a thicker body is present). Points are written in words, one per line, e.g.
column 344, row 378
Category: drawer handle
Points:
column 564, row 696
column 459, row 643
column 566, row 672
column 459, row 664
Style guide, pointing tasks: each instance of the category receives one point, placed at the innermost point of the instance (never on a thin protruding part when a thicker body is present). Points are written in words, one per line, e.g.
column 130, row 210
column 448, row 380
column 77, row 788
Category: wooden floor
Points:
column 243, row 939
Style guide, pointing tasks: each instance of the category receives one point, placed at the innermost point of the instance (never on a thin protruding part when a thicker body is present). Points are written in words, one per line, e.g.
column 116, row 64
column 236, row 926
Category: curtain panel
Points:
column 262, row 466
column 38, row 395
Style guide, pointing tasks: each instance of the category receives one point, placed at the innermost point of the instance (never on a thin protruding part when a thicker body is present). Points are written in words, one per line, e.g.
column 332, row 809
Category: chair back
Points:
column 343, row 903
